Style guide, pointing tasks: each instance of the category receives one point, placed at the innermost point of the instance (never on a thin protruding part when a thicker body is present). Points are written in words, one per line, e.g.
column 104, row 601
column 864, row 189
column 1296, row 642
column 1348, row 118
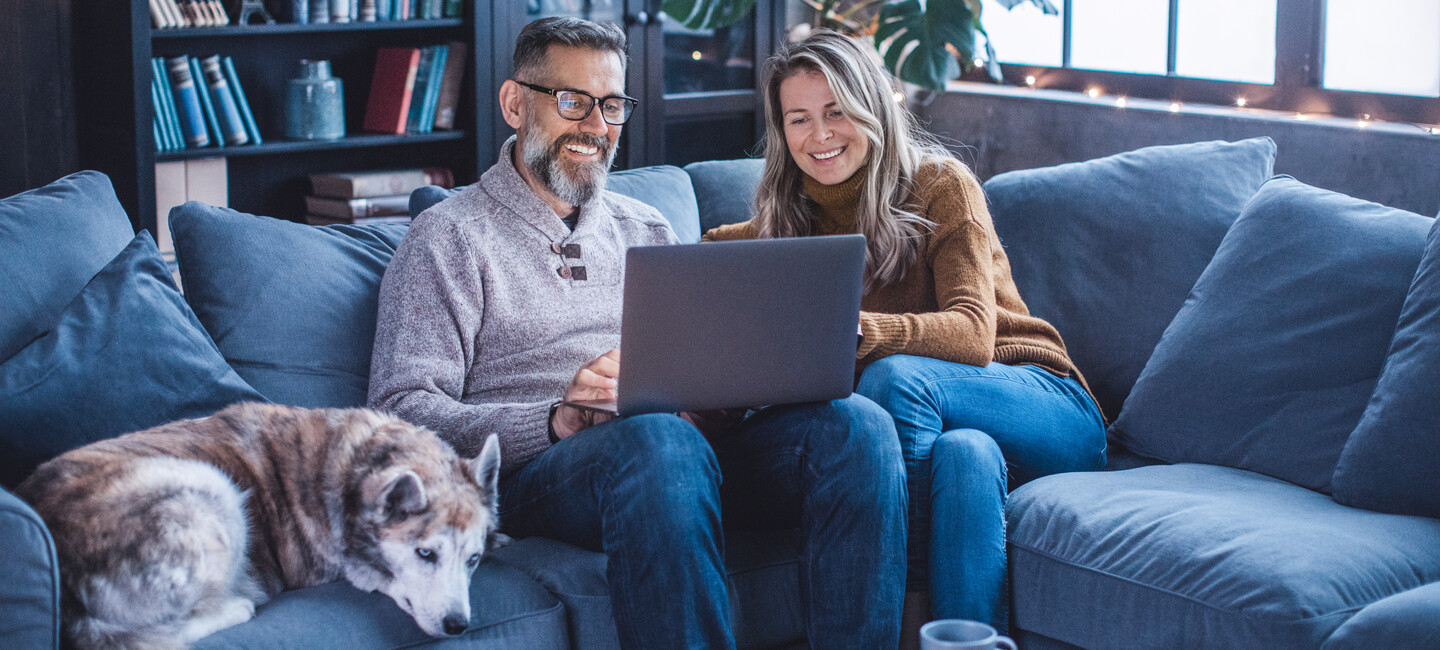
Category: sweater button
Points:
column 564, row 272
column 555, row 248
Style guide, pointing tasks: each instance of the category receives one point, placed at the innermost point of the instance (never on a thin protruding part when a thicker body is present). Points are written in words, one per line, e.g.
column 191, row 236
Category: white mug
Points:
column 959, row 634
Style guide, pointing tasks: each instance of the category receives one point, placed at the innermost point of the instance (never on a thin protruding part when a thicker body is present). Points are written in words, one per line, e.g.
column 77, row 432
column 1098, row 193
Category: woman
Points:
column 984, row 395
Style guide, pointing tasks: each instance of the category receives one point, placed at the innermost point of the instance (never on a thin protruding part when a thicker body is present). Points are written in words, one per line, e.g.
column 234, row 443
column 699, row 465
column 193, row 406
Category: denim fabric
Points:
column 967, row 432
column 1202, row 556
column 647, row 492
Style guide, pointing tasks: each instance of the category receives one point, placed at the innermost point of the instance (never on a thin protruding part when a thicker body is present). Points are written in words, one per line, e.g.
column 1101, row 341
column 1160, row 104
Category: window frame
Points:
column 1299, row 61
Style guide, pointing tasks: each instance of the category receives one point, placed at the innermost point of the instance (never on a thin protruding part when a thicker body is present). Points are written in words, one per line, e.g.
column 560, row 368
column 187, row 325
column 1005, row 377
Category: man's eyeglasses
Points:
column 576, row 105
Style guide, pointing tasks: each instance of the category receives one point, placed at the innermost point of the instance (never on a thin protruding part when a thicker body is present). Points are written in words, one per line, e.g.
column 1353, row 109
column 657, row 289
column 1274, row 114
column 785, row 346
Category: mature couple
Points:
column 485, row 328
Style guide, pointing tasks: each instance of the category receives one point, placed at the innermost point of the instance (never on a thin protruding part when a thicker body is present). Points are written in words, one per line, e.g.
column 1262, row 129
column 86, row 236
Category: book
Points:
column 300, row 12
column 376, row 206
column 244, row 104
column 453, row 8
column 232, row 126
column 321, row 220
column 320, row 11
column 187, row 102
column 391, row 89
column 423, row 69
column 167, row 98
column 451, row 78
column 162, row 130
column 211, row 121
column 339, row 11
column 356, row 185
column 432, row 89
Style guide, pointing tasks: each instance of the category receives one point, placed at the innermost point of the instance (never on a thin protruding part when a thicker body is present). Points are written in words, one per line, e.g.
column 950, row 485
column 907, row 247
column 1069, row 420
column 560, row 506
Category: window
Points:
column 1342, row 57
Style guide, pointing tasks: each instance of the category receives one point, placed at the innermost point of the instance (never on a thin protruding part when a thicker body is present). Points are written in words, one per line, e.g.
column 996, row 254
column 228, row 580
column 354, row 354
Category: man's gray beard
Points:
column 544, row 162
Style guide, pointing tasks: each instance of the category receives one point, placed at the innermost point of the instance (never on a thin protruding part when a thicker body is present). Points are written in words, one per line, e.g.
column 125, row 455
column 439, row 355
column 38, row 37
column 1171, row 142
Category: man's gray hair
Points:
column 537, row 37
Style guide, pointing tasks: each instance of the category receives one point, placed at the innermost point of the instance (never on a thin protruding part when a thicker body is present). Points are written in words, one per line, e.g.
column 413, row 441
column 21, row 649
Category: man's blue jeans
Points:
column 969, row 435
column 647, row 491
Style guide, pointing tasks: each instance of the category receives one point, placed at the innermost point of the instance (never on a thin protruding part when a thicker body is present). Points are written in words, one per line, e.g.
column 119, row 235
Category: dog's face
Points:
column 428, row 537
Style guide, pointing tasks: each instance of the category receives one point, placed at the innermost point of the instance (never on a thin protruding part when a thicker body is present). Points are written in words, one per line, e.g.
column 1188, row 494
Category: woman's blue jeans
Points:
column 969, row 435
column 648, row 492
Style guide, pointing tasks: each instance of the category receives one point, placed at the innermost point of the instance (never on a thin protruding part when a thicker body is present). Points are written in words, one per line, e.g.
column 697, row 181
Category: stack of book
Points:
column 199, row 103
column 368, row 197
column 415, row 90
column 165, row 14
column 368, row 11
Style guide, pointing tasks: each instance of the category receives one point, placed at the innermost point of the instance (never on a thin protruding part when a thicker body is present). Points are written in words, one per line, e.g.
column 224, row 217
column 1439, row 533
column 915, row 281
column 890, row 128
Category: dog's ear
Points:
column 486, row 467
column 404, row 495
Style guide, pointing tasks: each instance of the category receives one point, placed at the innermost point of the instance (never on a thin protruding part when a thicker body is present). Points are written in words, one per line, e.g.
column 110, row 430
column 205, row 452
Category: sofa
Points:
column 1255, row 342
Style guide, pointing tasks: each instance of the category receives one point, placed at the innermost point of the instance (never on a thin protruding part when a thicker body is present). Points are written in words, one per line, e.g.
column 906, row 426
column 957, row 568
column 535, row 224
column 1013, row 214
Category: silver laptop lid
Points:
column 743, row 323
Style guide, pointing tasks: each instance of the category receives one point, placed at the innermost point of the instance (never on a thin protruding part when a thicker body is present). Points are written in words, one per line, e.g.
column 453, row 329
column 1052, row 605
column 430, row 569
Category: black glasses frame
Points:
column 629, row 107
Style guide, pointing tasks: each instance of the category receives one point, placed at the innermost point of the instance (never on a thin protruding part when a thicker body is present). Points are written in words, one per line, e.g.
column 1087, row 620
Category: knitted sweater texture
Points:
column 485, row 316
column 957, row 302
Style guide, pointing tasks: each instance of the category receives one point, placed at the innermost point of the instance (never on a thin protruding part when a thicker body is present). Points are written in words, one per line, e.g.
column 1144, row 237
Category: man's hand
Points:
column 594, row 380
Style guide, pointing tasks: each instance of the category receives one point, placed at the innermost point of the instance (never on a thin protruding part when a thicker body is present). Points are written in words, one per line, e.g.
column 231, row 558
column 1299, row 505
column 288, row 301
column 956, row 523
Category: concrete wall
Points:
column 998, row 129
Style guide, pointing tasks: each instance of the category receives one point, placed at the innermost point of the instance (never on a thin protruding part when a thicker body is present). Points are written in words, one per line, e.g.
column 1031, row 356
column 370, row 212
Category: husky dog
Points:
column 173, row 533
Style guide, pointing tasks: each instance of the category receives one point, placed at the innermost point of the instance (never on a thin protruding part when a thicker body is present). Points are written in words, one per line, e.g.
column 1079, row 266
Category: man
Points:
column 499, row 293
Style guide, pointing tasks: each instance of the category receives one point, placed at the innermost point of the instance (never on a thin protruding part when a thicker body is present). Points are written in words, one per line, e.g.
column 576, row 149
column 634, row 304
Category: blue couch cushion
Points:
column 1271, row 361
column 1391, row 461
column 1202, row 556
column 52, row 241
column 665, row 187
column 725, row 190
column 30, row 574
column 126, row 355
column 1409, row 619
column 507, row 610
column 1106, row 250
column 292, row 307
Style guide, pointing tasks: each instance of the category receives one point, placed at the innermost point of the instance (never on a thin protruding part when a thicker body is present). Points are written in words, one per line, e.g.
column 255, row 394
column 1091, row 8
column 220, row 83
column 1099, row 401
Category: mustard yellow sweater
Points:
column 957, row 302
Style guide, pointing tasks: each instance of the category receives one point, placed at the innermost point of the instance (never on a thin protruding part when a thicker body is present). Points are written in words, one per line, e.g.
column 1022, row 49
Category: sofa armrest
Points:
column 1409, row 619
column 29, row 578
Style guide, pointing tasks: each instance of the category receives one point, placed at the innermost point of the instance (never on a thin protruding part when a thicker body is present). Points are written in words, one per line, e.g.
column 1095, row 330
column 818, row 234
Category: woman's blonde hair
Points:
column 866, row 94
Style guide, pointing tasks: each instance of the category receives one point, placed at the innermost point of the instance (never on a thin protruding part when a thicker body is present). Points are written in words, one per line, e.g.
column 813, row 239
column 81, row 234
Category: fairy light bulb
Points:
column 1030, row 80
column 1093, row 92
column 1120, row 102
column 1240, row 102
column 1174, row 107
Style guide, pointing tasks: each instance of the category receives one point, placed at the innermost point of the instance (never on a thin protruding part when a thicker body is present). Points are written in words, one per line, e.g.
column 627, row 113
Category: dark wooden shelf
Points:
column 296, row 28
column 295, row 146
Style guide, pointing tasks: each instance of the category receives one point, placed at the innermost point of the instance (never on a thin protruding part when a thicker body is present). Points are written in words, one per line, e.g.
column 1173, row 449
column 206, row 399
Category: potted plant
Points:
column 945, row 33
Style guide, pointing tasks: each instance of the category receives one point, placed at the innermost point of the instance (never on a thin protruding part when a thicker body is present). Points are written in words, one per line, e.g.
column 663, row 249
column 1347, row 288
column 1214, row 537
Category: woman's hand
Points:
column 595, row 380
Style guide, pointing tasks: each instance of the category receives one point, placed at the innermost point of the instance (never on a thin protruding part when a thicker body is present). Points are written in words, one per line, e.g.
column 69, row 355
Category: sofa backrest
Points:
column 666, row 187
column 1106, row 250
column 725, row 190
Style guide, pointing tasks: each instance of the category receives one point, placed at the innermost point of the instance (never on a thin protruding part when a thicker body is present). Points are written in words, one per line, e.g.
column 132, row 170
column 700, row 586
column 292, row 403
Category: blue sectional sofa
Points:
column 1272, row 482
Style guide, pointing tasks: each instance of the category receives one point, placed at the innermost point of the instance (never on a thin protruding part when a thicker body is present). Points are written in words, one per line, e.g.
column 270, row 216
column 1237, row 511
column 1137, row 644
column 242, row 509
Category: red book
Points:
column 391, row 89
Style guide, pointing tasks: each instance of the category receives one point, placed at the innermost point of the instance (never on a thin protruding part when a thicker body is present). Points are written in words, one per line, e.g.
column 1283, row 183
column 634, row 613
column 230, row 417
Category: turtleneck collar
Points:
column 837, row 202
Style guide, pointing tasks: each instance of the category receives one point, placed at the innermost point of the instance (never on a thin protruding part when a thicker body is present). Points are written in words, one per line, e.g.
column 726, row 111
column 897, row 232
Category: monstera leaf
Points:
column 913, row 36
column 707, row 14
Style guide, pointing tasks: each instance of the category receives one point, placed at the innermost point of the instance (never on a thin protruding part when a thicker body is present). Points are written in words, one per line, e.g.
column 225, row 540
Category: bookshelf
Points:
column 114, row 43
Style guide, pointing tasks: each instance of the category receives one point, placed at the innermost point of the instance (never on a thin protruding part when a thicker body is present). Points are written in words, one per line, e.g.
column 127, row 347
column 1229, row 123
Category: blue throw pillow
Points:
column 292, row 307
column 1107, row 249
column 725, row 190
column 665, row 187
column 52, row 241
column 1391, row 462
column 126, row 354
column 1271, row 361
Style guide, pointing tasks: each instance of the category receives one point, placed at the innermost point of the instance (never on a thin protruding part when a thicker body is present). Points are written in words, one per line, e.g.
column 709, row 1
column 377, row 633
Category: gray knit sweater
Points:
column 484, row 316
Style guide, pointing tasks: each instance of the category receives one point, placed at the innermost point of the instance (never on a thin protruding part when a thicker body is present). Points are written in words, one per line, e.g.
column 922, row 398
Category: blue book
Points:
column 319, row 11
column 170, row 119
column 241, row 101
column 432, row 90
column 177, row 133
column 300, row 11
column 422, row 84
column 232, row 126
column 162, row 132
column 382, row 10
column 216, row 136
column 187, row 102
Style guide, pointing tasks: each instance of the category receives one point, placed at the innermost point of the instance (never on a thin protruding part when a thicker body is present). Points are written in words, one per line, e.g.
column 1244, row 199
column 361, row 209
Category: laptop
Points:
column 737, row 324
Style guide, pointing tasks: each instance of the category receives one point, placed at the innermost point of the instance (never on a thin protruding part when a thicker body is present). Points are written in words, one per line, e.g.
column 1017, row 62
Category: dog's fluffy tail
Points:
column 172, row 561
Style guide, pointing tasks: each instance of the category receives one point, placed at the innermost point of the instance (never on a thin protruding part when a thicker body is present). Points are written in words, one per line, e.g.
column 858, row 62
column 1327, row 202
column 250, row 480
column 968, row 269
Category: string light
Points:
column 1435, row 130
column 1302, row 117
column 899, row 97
column 1030, row 80
column 695, row 55
column 1093, row 93
column 1174, row 107
column 1120, row 102
column 1240, row 101
column 1362, row 123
